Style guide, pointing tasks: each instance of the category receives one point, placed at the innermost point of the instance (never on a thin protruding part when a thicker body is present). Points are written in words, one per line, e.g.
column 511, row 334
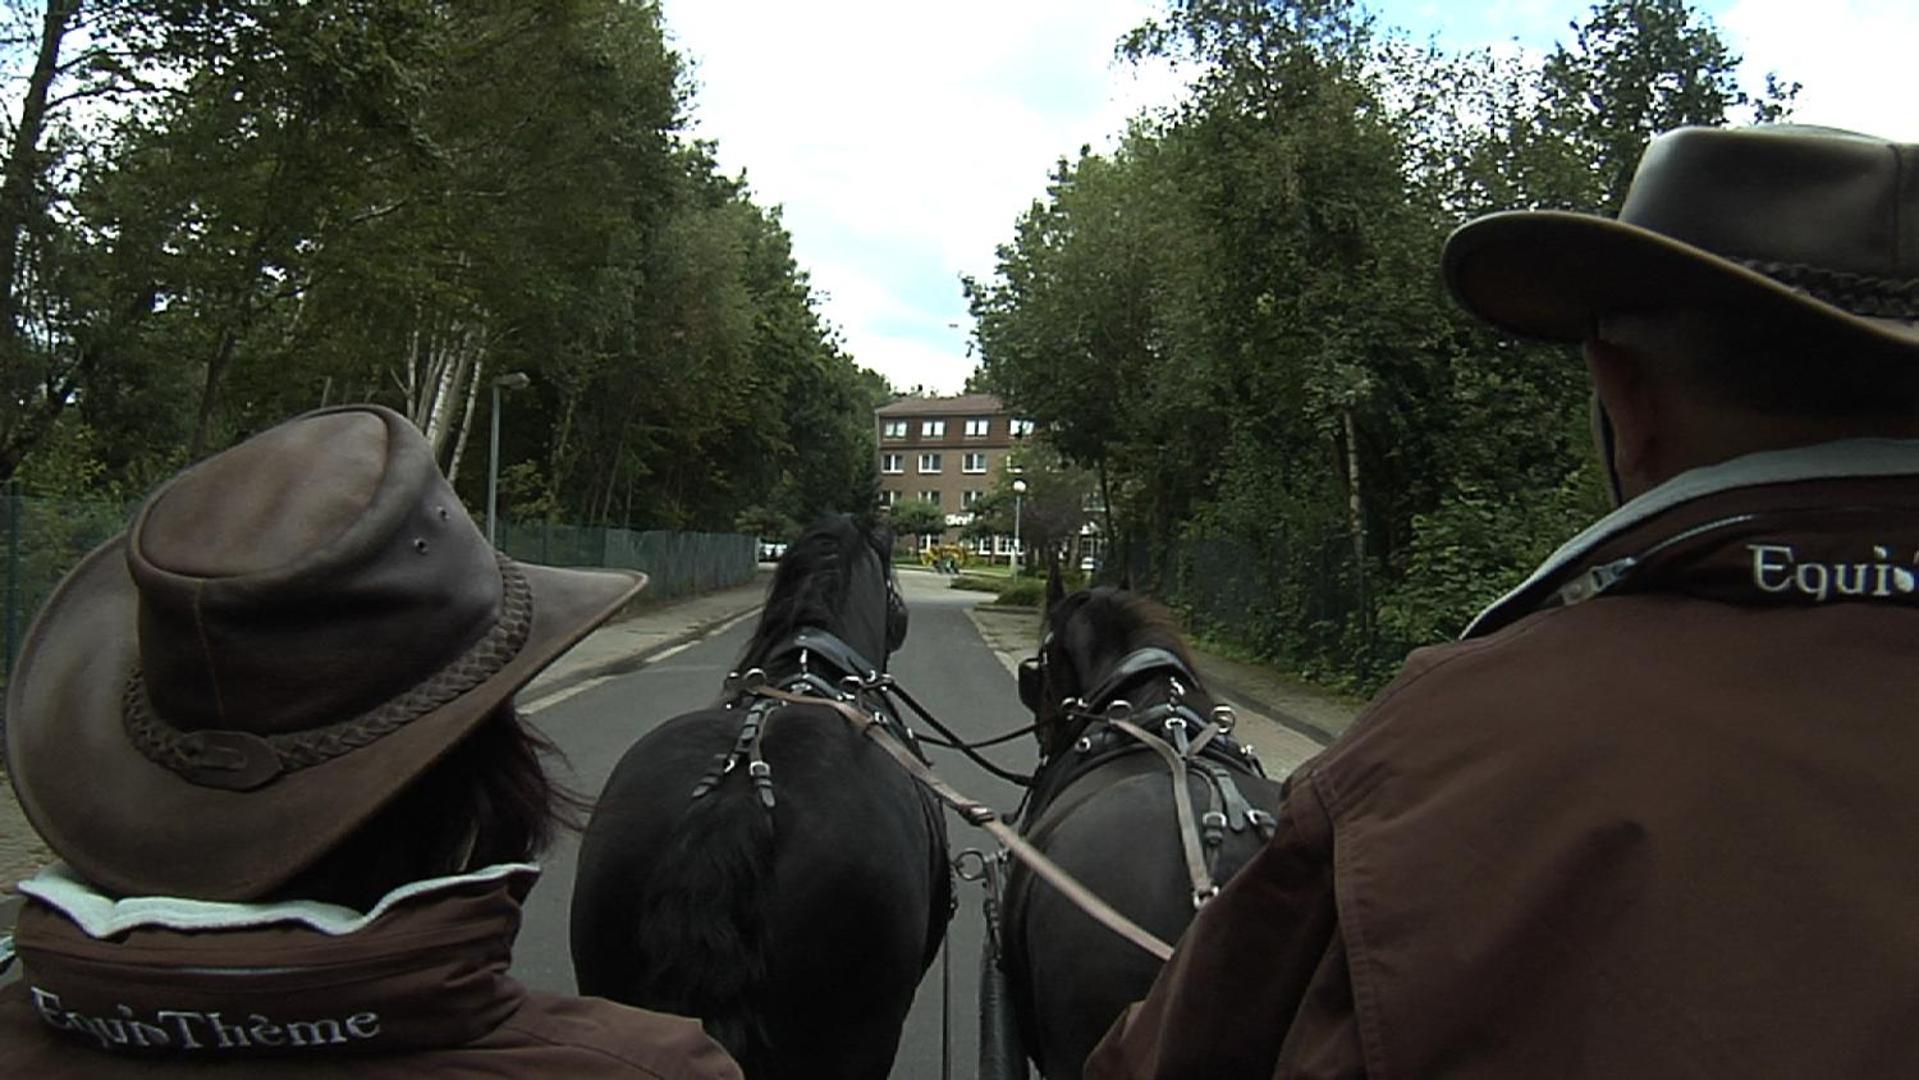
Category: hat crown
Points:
column 305, row 576
column 1784, row 195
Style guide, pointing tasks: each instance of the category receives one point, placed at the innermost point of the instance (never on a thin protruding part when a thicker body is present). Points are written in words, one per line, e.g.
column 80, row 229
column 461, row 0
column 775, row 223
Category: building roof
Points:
column 976, row 404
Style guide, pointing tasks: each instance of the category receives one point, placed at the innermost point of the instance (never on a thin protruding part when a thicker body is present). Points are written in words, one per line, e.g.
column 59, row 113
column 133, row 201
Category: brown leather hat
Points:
column 289, row 632
column 1814, row 229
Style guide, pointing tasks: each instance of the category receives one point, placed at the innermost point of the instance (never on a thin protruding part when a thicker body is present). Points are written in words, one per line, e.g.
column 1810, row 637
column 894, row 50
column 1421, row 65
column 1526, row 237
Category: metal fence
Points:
column 676, row 563
column 41, row 539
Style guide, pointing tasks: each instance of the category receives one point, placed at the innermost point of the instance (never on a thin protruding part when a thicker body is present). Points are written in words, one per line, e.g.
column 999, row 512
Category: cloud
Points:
column 903, row 140
column 1854, row 58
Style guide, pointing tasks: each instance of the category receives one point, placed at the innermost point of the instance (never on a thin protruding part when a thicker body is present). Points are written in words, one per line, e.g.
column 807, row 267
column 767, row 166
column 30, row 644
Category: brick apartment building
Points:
column 948, row 451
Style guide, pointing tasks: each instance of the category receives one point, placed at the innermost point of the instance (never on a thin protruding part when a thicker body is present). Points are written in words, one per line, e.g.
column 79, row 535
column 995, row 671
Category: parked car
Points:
column 771, row 550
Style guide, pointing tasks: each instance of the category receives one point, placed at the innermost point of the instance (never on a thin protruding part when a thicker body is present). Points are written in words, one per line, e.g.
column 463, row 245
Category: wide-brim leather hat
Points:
column 1805, row 231
column 287, row 634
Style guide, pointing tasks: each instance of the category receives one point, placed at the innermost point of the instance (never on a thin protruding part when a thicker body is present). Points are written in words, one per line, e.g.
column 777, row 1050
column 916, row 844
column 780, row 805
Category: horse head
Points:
column 837, row 578
column 1088, row 639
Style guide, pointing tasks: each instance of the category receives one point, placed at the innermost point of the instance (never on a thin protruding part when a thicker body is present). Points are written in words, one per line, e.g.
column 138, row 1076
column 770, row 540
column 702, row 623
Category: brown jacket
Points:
column 1657, row 816
column 158, row 987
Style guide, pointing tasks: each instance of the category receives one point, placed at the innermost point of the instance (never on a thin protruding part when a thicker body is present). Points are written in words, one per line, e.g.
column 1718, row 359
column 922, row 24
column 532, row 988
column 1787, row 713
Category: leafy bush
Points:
column 976, row 583
column 1026, row 592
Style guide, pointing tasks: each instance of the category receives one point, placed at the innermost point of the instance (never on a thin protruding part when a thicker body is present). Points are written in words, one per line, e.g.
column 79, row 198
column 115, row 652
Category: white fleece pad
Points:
column 102, row 917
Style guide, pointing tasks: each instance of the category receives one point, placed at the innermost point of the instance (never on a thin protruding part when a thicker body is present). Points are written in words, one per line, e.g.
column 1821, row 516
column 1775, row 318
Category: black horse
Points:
column 1103, row 807
column 760, row 864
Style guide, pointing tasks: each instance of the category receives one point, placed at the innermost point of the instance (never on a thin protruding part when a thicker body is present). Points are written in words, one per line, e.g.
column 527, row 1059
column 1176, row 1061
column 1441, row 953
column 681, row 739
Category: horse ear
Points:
column 1055, row 587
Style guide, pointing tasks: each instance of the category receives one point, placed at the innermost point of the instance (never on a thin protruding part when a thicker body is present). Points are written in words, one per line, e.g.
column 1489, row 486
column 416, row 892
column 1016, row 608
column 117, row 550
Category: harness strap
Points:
column 982, row 816
column 1132, row 666
column 1189, row 837
column 746, row 746
column 1238, row 809
column 836, row 652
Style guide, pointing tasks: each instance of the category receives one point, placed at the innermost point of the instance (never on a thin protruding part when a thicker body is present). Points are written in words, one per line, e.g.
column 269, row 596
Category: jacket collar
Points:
column 1848, row 459
column 102, row 916
column 426, row 968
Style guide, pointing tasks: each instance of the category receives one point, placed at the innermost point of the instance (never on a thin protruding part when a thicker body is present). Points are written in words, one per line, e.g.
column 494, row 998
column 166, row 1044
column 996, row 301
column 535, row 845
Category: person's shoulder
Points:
column 588, row 1036
column 1493, row 696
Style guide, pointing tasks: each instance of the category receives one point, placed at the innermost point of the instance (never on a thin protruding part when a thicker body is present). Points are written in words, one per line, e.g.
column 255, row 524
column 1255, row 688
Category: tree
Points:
column 1232, row 319
column 296, row 204
column 916, row 517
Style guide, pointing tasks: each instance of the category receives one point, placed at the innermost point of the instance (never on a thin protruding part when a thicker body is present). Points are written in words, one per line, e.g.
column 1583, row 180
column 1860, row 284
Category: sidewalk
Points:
column 644, row 631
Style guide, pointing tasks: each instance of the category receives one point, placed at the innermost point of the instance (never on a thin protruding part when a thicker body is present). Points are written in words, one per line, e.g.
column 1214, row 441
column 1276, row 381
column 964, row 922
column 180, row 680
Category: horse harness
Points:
column 859, row 683
column 1187, row 742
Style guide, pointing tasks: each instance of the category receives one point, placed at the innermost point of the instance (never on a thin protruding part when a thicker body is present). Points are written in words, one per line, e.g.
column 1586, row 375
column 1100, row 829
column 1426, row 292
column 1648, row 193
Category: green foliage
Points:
column 1023, row 592
column 296, row 204
column 1232, row 321
column 767, row 524
column 916, row 517
column 977, row 583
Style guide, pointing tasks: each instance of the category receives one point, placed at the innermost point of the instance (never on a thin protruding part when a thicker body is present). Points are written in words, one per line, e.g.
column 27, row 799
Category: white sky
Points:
column 902, row 139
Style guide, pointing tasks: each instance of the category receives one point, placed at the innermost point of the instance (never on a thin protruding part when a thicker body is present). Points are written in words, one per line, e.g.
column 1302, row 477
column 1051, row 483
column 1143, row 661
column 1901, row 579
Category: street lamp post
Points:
column 516, row 380
column 1019, row 489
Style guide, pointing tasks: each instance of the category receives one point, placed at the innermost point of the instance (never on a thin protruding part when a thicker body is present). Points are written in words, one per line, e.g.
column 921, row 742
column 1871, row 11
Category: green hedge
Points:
column 1026, row 592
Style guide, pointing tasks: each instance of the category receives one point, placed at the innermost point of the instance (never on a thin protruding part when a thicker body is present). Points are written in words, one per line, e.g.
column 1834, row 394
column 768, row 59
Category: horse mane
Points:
column 1132, row 619
column 809, row 584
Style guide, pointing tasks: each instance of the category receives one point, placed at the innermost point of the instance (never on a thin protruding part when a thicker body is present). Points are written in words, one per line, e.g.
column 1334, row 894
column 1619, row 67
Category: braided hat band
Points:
column 243, row 761
column 1861, row 294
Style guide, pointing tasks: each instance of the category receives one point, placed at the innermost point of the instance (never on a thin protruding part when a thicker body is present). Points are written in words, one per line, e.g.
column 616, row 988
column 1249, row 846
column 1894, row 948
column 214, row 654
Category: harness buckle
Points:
column 1119, row 709
column 970, row 865
column 1200, row 896
column 1213, row 819
column 753, row 679
column 759, row 770
column 1224, row 718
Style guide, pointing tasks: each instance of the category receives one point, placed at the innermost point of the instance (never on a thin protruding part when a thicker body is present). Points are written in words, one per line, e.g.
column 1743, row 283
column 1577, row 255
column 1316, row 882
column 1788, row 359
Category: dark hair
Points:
column 1782, row 367
column 489, row 800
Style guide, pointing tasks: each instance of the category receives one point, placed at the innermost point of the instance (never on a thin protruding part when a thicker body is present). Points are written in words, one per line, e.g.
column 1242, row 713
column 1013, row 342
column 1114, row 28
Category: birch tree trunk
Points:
column 466, row 421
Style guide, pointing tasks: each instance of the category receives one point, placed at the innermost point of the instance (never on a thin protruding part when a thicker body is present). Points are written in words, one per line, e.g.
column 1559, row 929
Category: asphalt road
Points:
column 944, row 664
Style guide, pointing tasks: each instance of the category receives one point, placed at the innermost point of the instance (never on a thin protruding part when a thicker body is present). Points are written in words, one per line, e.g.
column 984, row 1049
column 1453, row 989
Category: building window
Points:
column 929, row 463
column 931, row 496
column 1021, row 428
column 928, row 541
column 932, row 429
column 974, row 463
column 984, row 546
column 892, row 463
column 889, row 499
column 970, row 499
column 1003, row 545
column 896, row 429
column 977, row 427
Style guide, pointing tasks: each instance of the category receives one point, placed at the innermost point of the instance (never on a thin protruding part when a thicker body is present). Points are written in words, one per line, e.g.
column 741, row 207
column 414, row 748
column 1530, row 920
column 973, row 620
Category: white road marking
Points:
column 674, row 651
column 558, row 696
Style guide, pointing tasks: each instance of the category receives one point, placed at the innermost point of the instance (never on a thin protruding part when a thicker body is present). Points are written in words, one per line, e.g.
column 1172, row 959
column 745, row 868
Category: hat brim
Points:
column 149, row 830
column 1550, row 274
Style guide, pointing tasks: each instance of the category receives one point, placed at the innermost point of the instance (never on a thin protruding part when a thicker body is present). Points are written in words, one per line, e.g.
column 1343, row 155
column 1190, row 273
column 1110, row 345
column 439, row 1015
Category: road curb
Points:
column 633, row 661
